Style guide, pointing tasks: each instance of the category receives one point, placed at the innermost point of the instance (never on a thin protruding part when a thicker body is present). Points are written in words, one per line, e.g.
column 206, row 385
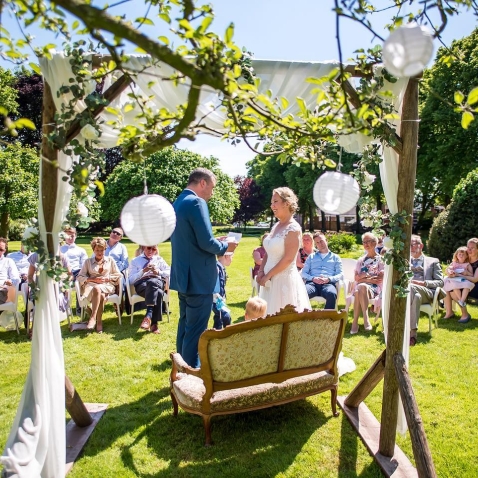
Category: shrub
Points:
column 458, row 222
column 340, row 242
column 16, row 229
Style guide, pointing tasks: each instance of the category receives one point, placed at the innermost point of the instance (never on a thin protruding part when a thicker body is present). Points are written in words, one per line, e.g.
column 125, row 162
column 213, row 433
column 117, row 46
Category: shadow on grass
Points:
column 348, row 454
column 266, row 442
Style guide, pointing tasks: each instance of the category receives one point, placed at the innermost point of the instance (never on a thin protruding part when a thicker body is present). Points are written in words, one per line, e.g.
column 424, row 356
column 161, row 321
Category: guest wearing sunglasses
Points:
column 98, row 278
column 148, row 273
column 116, row 250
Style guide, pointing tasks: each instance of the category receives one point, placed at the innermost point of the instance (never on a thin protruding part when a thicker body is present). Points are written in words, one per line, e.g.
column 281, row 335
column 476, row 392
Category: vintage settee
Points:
column 259, row 364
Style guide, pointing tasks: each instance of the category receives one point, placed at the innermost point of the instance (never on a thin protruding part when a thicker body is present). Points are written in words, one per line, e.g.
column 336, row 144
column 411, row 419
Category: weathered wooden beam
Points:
column 368, row 382
column 75, row 406
column 48, row 167
column 421, row 450
column 406, row 188
column 109, row 95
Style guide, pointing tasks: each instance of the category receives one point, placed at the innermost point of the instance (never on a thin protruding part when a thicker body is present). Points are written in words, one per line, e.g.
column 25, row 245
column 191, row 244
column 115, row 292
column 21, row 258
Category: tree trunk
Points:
column 324, row 226
column 338, row 222
column 311, row 217
column 4, row 224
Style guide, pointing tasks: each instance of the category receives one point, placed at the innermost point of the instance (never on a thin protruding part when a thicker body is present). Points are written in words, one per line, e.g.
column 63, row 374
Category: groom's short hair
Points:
column 199, row 174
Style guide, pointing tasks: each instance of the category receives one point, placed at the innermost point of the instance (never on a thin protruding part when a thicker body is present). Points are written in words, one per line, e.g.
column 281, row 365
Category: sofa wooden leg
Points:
column 333, row 402
column 207, row 429
column 175, row 403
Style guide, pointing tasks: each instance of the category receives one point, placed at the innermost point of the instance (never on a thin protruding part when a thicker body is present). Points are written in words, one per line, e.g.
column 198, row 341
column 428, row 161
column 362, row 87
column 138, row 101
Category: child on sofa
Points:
column 255, row 308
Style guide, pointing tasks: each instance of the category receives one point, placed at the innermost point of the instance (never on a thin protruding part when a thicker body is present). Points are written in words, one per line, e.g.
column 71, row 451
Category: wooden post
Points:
column 49, row 186
column 75, row 406
column 406, row 188
column 421, row 451
column 369, row 381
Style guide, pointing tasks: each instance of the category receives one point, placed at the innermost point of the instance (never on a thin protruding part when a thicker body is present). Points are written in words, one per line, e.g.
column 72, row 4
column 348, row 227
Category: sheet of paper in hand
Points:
column 234, row 237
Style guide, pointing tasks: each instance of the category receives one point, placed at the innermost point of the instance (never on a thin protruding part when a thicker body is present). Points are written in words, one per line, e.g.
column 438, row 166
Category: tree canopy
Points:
column 458, row 222
column 18, row 184
column 166, row 173
column 447, row 152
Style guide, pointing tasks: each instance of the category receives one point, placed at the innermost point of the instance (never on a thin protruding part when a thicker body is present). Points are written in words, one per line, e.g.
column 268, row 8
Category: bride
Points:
column 278, row 275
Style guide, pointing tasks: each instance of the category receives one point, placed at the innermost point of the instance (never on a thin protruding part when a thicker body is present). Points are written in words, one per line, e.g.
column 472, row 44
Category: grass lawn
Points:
column 138, row 436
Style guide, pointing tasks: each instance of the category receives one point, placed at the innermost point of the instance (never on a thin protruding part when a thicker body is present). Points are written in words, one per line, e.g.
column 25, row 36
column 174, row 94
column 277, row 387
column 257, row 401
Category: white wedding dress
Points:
column 287, row 287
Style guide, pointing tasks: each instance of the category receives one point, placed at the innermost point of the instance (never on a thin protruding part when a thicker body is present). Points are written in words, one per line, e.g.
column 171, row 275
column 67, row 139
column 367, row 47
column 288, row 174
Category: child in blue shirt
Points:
column 222, row 316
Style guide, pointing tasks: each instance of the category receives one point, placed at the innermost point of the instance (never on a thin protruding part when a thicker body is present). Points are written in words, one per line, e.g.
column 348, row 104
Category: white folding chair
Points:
column 112, row 298
column 348, row 270
column 13, row 307
column 432, row 310
column 254, row 284
column 320, row 300
column 134, row 298
column 30, row 308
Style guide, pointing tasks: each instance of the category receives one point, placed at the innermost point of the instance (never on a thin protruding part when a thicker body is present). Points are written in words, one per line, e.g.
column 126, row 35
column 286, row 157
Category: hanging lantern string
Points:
column 339, row 167
column 145, row 190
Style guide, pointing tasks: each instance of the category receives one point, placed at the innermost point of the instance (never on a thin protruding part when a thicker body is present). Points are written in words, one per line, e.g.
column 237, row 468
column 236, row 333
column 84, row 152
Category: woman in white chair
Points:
column 98, row 278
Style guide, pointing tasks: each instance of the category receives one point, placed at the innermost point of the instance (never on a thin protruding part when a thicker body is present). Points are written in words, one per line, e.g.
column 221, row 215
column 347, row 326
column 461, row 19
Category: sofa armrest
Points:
column 179, row 365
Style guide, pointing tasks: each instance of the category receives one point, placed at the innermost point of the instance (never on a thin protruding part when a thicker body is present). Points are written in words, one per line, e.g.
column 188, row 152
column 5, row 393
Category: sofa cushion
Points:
column 310, row 343
column 190, row 390
column 246, row 354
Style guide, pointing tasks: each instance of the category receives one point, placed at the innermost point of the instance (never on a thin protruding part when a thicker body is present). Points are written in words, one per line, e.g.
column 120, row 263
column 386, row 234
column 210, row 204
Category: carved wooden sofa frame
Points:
column 261, row 363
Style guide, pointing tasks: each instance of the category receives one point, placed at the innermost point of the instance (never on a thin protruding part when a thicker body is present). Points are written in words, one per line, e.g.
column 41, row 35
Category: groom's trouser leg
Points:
column 194, row 313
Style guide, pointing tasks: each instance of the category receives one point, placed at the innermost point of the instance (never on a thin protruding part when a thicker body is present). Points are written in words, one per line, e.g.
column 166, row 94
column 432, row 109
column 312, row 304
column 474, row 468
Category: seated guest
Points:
column 256, row 308
column 32, row 278
column 98, row 278
column 222, row 317
column 472, row 249
column 9, row 276
column 322, row 270
column 21, row 261
column 306, row 250
column 147, row 273
column 368, row 280
column 75, row 255
column 427, row 276
column 258, row 254
column 459, row 271
column 116, row 250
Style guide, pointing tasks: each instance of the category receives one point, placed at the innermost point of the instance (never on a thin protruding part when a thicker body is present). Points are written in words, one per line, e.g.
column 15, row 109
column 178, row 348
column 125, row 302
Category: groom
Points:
column 193, row 267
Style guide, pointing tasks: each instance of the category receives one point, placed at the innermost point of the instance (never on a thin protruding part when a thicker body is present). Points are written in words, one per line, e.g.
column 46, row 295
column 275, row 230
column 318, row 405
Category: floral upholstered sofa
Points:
column 261, row 363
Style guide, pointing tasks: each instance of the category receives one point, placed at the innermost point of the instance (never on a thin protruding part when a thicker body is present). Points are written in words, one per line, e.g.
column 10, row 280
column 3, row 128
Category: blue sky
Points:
column 284, row 30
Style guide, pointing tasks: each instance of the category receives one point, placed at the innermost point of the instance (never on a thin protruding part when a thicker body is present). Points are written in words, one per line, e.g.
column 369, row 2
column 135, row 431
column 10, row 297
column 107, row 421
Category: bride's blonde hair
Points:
column 287, row 195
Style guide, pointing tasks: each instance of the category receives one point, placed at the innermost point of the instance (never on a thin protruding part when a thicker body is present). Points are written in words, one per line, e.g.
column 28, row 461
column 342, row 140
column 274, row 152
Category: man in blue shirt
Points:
column 322, row 270
column 116, row 250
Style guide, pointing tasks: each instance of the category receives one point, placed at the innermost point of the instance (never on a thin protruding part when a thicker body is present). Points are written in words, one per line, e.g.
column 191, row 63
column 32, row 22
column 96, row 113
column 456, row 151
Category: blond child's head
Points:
column 255, row 308
column 461, row 255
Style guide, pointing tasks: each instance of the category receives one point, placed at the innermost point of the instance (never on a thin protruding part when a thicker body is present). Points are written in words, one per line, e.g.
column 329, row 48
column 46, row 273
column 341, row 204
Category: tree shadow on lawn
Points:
column 259, row 443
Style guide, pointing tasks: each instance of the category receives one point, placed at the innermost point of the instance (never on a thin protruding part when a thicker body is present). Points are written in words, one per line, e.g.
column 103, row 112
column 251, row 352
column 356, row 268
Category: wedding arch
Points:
column 44, row 393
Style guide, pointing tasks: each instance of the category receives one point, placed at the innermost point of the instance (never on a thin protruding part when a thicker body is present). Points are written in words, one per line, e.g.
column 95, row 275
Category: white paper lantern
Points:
column 407, row 50
column 148, row 219
column 336, row 193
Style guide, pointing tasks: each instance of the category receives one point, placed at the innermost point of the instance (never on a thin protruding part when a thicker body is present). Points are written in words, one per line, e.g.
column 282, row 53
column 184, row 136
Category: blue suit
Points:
column 193, row 271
